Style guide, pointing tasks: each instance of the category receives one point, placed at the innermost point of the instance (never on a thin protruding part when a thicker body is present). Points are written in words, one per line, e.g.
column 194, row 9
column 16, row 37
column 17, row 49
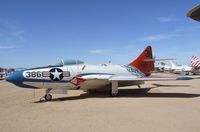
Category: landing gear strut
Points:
column 139, row 86
column 114, row 90
column 47, row 96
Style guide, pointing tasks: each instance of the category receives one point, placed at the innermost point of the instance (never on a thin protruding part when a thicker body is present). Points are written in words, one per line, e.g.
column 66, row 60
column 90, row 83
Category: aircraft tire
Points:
column 48, row 97
column 113, row 94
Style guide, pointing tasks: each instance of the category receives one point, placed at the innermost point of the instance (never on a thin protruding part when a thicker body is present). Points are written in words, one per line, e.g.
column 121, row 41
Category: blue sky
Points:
column 39, row 32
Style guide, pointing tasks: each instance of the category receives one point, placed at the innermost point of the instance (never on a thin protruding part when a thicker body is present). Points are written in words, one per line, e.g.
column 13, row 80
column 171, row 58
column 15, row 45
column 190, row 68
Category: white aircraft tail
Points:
column 195, row 62
column 172, row 63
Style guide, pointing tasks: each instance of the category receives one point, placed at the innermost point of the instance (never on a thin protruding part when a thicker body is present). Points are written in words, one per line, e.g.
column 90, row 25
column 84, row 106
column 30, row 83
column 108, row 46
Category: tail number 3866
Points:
column 34, row 74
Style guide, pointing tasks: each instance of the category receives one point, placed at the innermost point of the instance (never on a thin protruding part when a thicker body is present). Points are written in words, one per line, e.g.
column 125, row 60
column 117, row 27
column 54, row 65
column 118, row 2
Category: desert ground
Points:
column 168, row 106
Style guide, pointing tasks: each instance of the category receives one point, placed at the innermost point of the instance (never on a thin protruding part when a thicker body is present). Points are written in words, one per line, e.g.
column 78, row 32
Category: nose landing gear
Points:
column 47, row 96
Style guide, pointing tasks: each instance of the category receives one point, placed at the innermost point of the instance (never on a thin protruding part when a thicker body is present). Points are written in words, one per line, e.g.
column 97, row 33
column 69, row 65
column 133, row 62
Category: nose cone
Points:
column 15, row 77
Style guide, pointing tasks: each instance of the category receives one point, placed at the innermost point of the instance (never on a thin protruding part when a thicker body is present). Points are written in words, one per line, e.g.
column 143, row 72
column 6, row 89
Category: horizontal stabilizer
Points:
column 159, row 59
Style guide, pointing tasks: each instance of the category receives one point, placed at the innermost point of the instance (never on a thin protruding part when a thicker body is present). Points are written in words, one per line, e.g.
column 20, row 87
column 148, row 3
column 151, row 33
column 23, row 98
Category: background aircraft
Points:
column 74, row 74
column 161, row 66
column 180, row 68
column 194, row 13
column 2, row 73
column 195, row 63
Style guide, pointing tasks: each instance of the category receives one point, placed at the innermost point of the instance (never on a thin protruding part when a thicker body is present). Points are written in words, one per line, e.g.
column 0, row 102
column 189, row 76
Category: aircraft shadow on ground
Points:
column 197, row 77
column 162, row 85
column 131, row 93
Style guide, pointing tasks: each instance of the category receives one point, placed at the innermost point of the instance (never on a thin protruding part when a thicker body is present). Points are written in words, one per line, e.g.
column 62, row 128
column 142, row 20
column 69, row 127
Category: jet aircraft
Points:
column 180, row 68
column 161, row 66
column 194, row 13
column 75, row 74
column 195, row 63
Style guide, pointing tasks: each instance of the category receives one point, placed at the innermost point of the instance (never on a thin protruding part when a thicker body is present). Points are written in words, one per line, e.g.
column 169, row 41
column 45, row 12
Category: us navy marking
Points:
column 55, row 74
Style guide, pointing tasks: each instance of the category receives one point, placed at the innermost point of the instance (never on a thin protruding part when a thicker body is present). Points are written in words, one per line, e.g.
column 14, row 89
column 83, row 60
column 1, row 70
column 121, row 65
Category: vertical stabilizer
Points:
column 144, row 61
column 172, row 64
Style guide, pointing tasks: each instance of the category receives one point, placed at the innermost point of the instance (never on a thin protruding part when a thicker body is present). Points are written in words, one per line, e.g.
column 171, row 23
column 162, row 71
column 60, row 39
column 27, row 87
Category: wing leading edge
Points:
column 134, row 78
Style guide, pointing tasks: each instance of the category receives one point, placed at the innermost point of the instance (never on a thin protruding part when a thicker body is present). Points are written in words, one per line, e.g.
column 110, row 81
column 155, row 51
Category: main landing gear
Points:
column 47, row 96
column 114, row 89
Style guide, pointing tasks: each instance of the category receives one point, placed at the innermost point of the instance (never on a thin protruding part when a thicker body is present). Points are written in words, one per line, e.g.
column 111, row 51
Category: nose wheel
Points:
column 47, row 96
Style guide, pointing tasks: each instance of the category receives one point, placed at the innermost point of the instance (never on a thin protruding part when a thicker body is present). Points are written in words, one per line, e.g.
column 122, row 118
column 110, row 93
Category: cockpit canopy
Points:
column 68, row 62
column 62, row 63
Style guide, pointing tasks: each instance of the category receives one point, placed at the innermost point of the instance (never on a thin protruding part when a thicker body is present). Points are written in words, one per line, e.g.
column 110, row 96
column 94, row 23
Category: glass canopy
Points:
column 69, row 62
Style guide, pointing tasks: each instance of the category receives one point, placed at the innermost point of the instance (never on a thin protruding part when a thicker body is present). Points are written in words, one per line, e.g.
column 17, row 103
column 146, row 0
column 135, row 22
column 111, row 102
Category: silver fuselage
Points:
column 42, row 77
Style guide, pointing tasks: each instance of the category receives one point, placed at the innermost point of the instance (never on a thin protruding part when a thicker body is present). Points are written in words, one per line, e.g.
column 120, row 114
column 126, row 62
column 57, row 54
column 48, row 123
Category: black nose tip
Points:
column 9, row 78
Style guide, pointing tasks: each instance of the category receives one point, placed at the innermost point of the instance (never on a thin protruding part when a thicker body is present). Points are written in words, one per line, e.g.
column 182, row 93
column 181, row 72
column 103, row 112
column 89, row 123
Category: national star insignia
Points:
column 56, row 74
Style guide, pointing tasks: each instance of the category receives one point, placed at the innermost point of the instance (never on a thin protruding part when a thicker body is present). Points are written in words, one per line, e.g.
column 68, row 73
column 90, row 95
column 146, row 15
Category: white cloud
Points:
column 159, row 37
column 98, row 51
column 7, row 47
column 167, row 19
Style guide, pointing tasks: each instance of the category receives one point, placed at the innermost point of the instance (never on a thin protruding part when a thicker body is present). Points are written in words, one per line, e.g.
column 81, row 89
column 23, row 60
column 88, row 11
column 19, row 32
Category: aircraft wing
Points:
column 131, row 78
column 150, row 78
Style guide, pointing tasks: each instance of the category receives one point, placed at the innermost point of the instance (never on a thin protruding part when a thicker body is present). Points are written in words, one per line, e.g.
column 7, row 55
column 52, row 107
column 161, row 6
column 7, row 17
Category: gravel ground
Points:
column 168, row 106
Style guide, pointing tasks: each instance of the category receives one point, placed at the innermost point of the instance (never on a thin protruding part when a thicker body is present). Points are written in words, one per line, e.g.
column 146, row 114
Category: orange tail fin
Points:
column 144, row 61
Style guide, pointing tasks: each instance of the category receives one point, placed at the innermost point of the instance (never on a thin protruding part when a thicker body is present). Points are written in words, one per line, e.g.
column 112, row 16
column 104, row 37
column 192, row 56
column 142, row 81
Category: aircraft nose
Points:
column 15, row 77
